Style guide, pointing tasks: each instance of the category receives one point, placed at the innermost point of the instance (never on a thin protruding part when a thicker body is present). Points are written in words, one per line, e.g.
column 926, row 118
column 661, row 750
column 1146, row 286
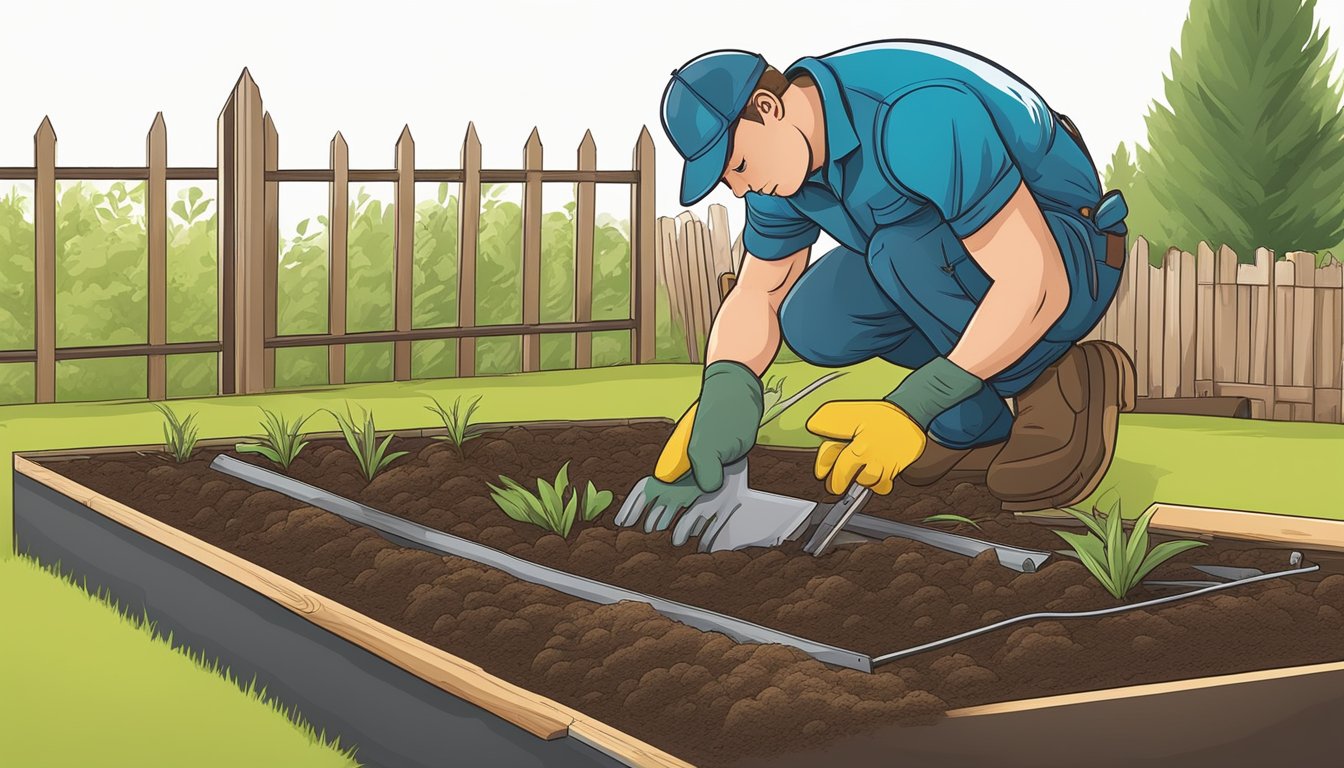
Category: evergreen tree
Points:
column 1249, row 150
column 1121, row 172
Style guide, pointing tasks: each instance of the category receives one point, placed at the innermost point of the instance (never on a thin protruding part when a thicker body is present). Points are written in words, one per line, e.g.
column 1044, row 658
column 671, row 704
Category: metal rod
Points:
column 889, row 657
column 576, row 586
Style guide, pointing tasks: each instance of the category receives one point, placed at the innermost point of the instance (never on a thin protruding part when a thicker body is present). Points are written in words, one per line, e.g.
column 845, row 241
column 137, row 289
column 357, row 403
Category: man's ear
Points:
column 767, row 104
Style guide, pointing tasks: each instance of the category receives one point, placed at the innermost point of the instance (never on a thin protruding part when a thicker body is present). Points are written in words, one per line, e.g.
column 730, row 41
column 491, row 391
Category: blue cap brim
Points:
column 699, row 176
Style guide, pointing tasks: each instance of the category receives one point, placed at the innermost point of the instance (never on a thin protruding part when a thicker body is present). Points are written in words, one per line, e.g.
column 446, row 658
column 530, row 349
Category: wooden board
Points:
column 532, row 712
column 1306, row 532
column 1151, row 689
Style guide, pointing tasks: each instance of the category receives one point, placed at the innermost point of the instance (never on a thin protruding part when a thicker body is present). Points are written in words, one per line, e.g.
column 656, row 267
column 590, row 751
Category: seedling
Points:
column 457, row 421
column 950, row 518
column 773, row 395
column 281, row 443
column 548, row 508
column 372, row 457
column 179, row 435
column 1118, row 561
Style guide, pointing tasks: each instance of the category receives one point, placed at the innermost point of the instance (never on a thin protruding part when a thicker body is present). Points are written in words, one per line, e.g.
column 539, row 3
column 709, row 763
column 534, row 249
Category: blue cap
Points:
column 702, row 100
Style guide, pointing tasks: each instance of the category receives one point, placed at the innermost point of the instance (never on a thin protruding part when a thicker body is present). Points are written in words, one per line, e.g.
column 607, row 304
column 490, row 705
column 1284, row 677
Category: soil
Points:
column 699, row 695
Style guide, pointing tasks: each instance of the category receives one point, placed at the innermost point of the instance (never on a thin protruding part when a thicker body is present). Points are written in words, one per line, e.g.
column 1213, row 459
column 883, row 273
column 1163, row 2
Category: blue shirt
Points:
column 912, row 124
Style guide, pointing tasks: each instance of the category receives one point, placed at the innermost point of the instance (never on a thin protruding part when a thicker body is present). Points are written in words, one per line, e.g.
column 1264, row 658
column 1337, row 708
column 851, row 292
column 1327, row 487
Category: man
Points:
column 976, row 249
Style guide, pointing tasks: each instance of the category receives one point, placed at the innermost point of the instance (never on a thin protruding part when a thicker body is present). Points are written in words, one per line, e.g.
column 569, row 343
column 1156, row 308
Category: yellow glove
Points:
column 674, row 461
column 870, row 441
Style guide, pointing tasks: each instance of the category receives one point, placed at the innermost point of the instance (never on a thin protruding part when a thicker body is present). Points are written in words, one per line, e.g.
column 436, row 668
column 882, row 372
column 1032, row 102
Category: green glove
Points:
column 933, row 388
column 662, row 501
column 727, row 418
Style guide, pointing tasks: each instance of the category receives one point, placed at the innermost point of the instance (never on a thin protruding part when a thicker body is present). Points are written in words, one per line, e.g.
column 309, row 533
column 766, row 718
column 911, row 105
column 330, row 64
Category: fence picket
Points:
column 271, row 253
column 1142, row 314
column 338, row 216
column 1125, row 304
column 1185, row 328
column 1156, row 311
column 156, row 229
column 241, row 178
column 1172, row 344
column 1225, row 317
column 1329, row 347
column 468, row 229
column 1281, row 355
column 642, row 214
column 1204, row 269
column 532, row 250
column 1302, row 375
column 44, row 268
column 584, row 215
column 403, row 252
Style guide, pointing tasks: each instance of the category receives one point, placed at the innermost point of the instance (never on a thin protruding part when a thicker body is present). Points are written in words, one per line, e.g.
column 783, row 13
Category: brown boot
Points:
column 966, row 464
column 1063, row 436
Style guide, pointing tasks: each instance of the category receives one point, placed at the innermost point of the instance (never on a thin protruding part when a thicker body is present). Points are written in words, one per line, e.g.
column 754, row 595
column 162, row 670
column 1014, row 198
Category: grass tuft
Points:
column 281, row 443
column 457, row 421
column 372, row 457
column 179, row 436
column 954, row 519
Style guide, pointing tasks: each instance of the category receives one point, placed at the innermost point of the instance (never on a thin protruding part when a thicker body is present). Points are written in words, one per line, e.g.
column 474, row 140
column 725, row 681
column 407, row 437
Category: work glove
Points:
column 717, row 429
column 662, row 500
column 871, row 441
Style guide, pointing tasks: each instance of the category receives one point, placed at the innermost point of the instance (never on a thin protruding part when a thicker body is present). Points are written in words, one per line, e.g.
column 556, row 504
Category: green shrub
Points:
column 179, row 435
column 281, row 443
column 371, row 456
column 548, row 508
column 1117, row 561
column 457, row 422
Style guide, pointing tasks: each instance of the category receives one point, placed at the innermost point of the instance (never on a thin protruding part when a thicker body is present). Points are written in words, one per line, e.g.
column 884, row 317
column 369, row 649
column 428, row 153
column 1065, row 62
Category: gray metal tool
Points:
column 738, row 516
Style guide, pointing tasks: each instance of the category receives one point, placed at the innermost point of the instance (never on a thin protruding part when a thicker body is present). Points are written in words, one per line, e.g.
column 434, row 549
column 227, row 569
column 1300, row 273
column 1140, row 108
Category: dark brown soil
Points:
column 696, row 694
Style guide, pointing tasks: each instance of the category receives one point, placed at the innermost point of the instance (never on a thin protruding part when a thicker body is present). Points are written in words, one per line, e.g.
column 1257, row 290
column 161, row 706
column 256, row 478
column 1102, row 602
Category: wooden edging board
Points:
column 1212, row 522
column 549, row 719
column 532, row 712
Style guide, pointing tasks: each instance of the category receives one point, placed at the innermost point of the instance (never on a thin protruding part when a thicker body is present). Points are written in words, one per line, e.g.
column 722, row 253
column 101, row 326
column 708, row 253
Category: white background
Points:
column 101, row 70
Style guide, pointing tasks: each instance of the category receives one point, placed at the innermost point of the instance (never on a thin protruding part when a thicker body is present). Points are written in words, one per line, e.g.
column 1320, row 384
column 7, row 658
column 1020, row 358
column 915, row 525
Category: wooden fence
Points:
column 249, row 179
column 1200, row 325
column 697, row 263
column 1204, row 325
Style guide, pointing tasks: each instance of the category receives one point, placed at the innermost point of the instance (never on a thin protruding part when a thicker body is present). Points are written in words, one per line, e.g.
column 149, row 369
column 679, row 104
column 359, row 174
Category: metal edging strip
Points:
column 570, row 584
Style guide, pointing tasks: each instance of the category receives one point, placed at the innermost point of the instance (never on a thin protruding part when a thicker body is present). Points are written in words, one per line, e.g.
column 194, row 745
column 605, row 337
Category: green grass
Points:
column 372, row 456
column 85, row 684
column 457, row 421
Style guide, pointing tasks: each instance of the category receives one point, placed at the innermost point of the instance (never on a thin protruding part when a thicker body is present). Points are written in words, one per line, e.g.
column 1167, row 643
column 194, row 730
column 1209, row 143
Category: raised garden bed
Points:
column 658, row 689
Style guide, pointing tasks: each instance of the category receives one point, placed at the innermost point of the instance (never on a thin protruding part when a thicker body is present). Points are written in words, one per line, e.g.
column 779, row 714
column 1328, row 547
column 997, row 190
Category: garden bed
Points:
column 698, row 695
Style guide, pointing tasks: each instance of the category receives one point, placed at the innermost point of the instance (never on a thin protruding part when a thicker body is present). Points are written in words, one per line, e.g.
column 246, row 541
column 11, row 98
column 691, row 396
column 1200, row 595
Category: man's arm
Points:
column 1029, row 292
column 746, row 330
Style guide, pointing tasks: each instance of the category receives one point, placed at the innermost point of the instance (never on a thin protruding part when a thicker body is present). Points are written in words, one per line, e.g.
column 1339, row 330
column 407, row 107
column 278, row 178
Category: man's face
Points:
column 771, row 157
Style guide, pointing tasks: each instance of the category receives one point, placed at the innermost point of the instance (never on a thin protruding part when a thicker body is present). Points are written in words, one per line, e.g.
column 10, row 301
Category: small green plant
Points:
column 179, row 435
column 773, row 395
column 950, row 518
column 372, row 457
column 548, row 508
column 1117, row 561
column 457, row 421
column 281, row 443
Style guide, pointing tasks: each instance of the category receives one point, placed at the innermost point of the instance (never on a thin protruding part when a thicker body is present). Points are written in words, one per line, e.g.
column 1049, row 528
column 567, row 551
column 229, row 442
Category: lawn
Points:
column 1255, row 465
column 86, row 685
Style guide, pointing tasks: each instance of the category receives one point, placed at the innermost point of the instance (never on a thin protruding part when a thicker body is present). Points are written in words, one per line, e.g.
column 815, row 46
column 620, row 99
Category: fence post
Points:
column 1185, row 324
column 241, row 174
column 468, row 227
column 156, row 230
column 338, row 228
column 404, row 252
column 584, row 203
column 1255, row 280
column 1204, row 268
column 272, row 250
column 642, row 199
column 44, row 268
